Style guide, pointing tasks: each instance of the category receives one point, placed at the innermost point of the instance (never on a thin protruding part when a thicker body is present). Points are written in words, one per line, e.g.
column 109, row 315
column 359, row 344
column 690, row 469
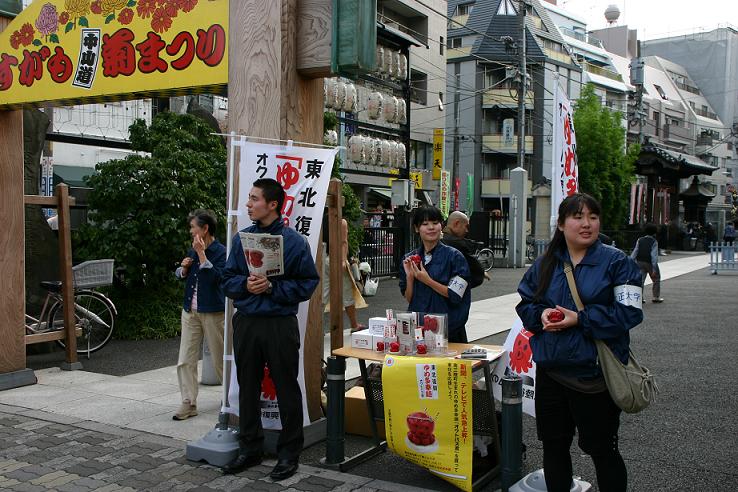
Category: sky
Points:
column 658, row 18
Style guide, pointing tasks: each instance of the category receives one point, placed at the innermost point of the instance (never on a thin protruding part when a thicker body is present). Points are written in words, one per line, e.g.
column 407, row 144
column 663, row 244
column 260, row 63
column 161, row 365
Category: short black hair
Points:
column 203, row 218
column 272, row 191
column 426, row 212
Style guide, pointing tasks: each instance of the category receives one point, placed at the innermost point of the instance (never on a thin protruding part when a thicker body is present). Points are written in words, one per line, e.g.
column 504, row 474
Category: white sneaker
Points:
column 186, row 410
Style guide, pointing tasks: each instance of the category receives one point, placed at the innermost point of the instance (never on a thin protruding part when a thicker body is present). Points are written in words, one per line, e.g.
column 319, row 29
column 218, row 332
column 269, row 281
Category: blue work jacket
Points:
column 445, row 264
column 296, row 285
column 609, row 284
column 210, row 298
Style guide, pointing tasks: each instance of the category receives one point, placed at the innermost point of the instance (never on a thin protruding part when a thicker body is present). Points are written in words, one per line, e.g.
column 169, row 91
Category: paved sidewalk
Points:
column 43, row 451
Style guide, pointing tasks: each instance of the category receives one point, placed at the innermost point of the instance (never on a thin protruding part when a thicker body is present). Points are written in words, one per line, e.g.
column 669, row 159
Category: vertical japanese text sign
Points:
column 428, row 414
column 564, row 171
column 304, row 173
column 437, row 152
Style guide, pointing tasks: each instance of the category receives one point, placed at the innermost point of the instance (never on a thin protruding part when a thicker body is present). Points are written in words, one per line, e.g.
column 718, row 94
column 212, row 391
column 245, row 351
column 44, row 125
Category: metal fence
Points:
column 491, row 230
column 382, row 249
column 722, row 257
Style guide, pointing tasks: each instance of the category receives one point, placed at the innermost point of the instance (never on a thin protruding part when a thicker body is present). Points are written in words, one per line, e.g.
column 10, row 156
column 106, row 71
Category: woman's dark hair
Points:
column 272, row 191
column 571, row 205
column 651, row 229
column 204, row 218
column 426, row 212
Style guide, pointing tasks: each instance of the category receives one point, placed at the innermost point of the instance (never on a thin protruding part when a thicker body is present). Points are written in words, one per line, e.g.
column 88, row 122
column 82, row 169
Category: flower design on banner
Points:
column 161, row 21
column 96, row 7
column 521, row 355
column 77, row 8
column 145, row 8
column 187, row 5
column 48, row 20
column 125, row 16
column 64, row 17
column 26, row 34
column 109, row 7
column 15, row 40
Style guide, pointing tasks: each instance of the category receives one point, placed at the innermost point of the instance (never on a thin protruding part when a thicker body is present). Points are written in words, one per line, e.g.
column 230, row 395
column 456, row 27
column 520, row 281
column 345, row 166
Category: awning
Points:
column 386, row 193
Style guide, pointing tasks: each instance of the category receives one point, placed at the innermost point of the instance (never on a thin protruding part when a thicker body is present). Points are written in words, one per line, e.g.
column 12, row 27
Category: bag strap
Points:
column 573, row 285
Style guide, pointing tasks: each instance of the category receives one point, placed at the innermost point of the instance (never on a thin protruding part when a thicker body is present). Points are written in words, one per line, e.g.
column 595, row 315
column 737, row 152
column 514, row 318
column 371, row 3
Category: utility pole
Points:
column 457, row 113
column 523, row 74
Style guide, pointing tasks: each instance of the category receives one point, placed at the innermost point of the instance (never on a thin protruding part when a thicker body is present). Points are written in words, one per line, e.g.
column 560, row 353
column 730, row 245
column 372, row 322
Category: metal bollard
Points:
column 334, row 450
column 512, row 433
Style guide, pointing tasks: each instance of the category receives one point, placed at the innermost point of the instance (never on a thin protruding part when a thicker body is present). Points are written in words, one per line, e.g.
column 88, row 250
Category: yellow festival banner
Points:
column 80, row 51
column 437, row 152
column 428, row 414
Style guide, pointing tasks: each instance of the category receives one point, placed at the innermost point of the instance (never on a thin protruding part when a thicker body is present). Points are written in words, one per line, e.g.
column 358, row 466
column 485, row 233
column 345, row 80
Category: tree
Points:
column 605, row 165
column 138, row 206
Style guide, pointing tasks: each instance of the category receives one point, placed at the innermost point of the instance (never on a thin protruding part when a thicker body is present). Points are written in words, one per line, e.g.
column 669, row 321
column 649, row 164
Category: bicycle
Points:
column 94, row 313
column 484, row 255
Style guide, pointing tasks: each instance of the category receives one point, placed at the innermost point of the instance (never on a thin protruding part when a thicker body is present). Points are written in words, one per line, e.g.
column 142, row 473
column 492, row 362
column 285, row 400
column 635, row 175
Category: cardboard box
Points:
column 362, row 339
column 376, row 325
column 356, row 416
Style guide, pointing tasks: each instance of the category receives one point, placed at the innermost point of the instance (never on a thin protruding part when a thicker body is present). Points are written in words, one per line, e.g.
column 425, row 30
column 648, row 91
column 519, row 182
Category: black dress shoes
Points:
column 241, row 463
column 284, row 469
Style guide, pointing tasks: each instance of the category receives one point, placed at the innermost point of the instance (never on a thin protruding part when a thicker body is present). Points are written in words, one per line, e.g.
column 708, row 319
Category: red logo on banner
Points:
column 521, row 356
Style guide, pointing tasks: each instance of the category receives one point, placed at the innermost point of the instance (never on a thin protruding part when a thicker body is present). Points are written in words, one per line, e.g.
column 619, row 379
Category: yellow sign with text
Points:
column 82, row 51
column 428, row 414
column 437, row 152
column 417, row 178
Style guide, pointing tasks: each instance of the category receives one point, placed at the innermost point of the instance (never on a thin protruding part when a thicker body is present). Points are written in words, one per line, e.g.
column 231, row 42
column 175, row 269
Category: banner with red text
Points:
column 304, row 173
column 82, row 51
column 564, row 171
column 428, row 414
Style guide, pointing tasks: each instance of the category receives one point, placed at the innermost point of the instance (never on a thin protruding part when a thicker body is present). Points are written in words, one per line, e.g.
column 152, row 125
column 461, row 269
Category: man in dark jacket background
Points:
column 454, row 235
column 266, row 331
column 646, row 254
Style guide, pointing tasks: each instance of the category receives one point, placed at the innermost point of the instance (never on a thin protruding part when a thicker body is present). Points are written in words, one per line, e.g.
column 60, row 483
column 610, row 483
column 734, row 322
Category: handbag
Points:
column 370, row 287
column 631, row 386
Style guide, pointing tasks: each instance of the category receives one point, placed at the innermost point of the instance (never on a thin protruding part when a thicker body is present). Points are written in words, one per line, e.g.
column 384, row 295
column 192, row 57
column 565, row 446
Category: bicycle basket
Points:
column 93, row 273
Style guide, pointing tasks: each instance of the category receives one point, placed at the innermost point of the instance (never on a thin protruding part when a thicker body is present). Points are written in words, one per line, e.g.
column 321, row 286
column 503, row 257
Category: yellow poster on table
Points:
column 428, row 414
column 82, row 51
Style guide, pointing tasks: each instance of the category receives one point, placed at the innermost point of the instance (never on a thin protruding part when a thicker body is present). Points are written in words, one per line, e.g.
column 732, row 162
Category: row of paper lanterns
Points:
column 343, row 96
column 376, row 151
column 391, row 63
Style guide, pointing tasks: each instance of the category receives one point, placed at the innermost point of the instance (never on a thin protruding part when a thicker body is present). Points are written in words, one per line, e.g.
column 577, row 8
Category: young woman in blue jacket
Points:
column 439, row 284
column 570, row 390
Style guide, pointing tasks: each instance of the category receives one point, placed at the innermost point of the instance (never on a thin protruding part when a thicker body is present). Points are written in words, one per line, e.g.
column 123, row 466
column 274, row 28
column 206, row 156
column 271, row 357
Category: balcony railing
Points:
column 675, row 133
column 586, row 38
column 604, row 72
column 687, row 87
column 499, row 187
column 504, row 97
column 496, row 143
column 706, row 113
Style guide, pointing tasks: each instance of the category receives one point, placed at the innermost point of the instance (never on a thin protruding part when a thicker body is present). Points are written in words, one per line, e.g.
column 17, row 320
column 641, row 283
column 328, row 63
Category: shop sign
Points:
column 428, row 414
column 445, row 190
column 437, row 152
column 83, row 51
column 415, row 176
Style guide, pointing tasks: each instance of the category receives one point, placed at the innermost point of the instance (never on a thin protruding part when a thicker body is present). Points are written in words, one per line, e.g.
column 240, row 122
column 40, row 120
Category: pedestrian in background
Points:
column 570, row 390
column 439, row 282
column 454, row 235
column 729, row 234
column 646, row 254
column 203, row 308
column 266, row 331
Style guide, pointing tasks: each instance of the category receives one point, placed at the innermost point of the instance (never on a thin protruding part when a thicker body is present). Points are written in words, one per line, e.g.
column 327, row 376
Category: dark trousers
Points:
column 275, row 341
column 559, row 410
column 458, row 335
column 655, row 274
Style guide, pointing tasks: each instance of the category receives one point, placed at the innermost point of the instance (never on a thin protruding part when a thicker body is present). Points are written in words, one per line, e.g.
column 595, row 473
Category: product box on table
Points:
column 362, row 339
column 435, row 332
column 406, row 325
column 377, row 325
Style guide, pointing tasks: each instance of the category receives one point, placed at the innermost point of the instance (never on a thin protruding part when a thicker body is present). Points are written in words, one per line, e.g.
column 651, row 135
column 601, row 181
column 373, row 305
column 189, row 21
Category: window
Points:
column 440, row 101
column 657, row 122
column 453, row 43
column 441, row 44
column 419, row 87
column 675, row 122
column 661, row 92
column 464, row 9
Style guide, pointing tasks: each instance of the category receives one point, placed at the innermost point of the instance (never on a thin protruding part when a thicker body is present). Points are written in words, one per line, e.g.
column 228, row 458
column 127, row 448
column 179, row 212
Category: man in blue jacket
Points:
column 266, row 331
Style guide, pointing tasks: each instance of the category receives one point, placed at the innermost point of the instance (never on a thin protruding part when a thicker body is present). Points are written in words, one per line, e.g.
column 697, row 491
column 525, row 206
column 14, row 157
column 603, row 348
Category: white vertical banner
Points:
column 518, row 359
column 46, row 187
column 564, row 170
column 304, row 173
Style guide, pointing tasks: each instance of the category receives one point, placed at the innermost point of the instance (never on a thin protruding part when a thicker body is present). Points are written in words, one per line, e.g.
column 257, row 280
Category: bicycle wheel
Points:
column 486, row 258
column 94, row 314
